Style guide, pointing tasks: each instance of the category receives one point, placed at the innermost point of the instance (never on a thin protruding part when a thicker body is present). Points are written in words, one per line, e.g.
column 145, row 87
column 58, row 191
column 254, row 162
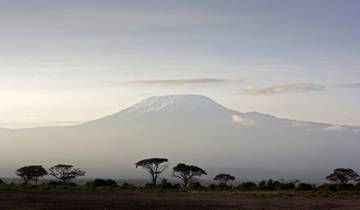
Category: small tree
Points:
column 154, row 166
column 65, row 173
column 343, row 176
column 186, row 173
column 31, row 173
column 224, row 178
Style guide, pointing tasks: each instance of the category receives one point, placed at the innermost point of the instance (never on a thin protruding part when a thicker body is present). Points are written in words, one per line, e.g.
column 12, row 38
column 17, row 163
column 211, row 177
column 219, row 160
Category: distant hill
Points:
column 192, row 129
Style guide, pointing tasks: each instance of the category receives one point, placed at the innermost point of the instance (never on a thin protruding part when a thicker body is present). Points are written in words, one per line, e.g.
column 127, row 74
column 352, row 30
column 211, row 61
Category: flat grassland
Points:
column 34, row 200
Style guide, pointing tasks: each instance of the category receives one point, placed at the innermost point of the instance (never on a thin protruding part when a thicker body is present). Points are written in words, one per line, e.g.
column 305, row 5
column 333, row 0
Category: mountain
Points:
column 192, row 129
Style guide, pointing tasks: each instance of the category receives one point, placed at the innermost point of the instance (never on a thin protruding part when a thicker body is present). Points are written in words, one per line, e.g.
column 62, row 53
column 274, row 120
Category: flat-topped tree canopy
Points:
column 186, row 173
column 224, row 178
column 154, row 166
column 343, row 176
column 151, row 161
column 65, row 172
column 31, row 173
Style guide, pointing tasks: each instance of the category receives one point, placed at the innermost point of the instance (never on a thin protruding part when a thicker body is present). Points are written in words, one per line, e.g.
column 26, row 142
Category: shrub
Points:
column 357, row 187
column 164, row 184
column 196, row 186
column 102, row 183
column 270, row 185
column 341, row 187
column 224, row 186
column 127, row 186
column 212, row 187
column 2, row 182
column 328, row 188
column 150, row 186
column 287, row 186
column 55, row 183
column 262, row 185
column 60, row 183
column 305, row 187
column 247, row 186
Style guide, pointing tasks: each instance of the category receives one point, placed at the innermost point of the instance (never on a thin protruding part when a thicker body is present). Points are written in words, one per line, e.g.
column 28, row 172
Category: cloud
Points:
column 299, row 124
column 334, row 128
column 178, row 81
column 65, row 122
column 243, row 121
column 286, row 88
column 349, row 85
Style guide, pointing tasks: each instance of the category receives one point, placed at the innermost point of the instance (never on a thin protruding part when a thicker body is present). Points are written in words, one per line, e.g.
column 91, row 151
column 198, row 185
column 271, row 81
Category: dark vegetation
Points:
column 154, row 167
column 187, row 173
column 65, row 173
column 31, row 173
column 341, row 180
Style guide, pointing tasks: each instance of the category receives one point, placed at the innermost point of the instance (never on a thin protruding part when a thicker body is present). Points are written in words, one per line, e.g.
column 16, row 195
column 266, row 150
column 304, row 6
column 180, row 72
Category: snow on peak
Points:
column 171, row 103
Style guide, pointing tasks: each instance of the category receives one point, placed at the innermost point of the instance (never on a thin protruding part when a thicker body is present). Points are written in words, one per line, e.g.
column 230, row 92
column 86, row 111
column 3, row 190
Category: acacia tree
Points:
column 343, row 176
column 186, row 173
column 154, row 166
column 65, row 173
column 31, row 173
column 224, row 178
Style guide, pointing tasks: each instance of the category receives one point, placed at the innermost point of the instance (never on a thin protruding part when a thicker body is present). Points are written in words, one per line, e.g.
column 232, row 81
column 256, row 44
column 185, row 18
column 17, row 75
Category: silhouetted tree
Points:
column 343, row 176
column 154, row 166
column 31, row 173
column 186, row 173
column 224, row 178
column 65, row 173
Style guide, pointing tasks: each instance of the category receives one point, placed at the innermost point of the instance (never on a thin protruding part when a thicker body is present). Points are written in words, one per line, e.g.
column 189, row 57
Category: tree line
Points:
column 61, row 172
column 186, row 173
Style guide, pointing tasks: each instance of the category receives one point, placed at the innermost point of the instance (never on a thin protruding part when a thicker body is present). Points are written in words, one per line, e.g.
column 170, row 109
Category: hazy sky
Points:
column 65, row 62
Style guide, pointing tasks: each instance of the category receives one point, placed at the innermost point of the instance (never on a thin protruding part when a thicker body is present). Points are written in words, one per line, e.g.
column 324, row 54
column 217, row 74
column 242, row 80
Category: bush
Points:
column 357, row 187
column 2, row 182
column 55, row 183
column 196, row 186
column 247, row 186
column 127, row 186
column 150, row 186
column 262, row 185
column 59, row 183
column 212, row 187
column 102, row 183
column 287, row 186
column 223, row 186
column 164, row 184
column 328, row 188
column 305, row 187
column 341, row 187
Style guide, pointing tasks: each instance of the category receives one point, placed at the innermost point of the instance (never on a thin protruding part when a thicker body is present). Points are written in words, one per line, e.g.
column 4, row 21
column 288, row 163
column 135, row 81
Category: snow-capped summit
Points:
column 175, row 103
column 194, row 128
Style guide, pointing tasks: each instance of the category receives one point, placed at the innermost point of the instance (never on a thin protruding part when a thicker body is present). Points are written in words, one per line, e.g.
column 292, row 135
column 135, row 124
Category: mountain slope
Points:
column 188, row 128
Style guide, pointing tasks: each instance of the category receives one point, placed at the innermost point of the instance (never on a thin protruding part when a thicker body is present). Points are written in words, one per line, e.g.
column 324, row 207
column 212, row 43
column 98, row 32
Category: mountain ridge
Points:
column 213, row 136
column 179, row 102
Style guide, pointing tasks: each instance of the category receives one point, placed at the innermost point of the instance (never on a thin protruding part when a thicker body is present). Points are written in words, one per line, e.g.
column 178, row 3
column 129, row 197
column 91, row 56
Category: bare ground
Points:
column 171, row 200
